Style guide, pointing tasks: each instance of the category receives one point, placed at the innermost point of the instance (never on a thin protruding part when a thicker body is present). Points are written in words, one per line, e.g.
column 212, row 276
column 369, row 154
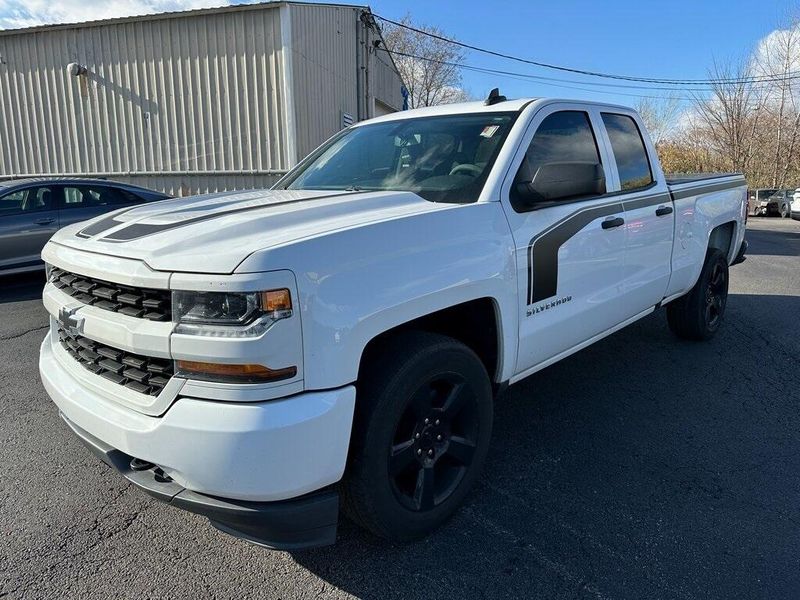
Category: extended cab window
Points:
column 442, row 159
column 562, row 163
column 629, row 151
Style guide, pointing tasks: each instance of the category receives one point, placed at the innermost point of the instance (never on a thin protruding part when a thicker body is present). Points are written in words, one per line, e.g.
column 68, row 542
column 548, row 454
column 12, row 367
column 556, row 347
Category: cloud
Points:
column 27, row 13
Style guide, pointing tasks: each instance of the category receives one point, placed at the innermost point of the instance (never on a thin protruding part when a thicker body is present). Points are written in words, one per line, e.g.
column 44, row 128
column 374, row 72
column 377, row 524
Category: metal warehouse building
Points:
column 189, row 102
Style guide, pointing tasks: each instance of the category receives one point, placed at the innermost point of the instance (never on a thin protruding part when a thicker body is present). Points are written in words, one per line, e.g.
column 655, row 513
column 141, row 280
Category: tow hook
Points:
column 137, row 464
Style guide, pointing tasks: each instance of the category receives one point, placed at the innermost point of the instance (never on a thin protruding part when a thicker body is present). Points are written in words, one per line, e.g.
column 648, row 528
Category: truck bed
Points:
column 683, row 178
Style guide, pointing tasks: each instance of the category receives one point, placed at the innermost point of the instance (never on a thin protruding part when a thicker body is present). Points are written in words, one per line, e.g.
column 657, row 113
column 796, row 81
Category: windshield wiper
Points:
column 353, row 188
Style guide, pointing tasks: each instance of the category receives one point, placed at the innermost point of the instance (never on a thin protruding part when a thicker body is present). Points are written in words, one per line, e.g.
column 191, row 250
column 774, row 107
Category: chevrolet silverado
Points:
column 262, row 357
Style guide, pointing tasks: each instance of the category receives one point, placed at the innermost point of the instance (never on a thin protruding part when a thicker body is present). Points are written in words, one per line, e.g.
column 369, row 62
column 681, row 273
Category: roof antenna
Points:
column 494, row 97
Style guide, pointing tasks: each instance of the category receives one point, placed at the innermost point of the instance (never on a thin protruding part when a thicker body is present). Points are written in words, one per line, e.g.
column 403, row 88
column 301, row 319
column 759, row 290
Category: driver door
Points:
column 570, row 249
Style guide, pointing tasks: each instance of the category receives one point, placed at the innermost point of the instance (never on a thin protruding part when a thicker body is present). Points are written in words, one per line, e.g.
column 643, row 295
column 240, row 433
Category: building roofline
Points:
column 267, row 4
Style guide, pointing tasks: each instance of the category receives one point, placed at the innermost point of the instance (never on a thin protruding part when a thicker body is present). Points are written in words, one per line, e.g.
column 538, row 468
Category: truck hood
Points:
column 214, row 233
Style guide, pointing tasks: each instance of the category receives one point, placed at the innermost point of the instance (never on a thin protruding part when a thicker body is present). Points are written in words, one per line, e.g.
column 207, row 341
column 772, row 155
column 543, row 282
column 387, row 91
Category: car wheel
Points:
column 420, row 435
column 698, row 315
column 784, row 211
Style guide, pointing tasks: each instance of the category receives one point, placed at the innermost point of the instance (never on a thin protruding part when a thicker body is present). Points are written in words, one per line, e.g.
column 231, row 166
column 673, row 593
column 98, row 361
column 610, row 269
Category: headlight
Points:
column 229, row 314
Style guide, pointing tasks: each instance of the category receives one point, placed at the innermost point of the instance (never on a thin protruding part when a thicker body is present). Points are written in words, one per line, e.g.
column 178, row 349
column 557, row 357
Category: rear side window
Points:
column 86, row 196
column 630, row 154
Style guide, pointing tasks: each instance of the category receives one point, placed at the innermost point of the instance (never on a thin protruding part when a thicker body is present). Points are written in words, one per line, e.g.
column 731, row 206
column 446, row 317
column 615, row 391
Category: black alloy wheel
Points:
column 420, row 436
column 434, row 442
column 716, row 295
column 698, row 315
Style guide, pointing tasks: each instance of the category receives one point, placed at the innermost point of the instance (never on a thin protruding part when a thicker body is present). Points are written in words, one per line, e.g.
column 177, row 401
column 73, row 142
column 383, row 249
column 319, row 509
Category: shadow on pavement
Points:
column 773, row 242
column 643, row 466
column 16, row 288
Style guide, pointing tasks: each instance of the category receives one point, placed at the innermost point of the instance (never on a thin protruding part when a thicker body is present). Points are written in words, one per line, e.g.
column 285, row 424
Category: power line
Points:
column 542, row 80
column 545, row 80
column 728, row 80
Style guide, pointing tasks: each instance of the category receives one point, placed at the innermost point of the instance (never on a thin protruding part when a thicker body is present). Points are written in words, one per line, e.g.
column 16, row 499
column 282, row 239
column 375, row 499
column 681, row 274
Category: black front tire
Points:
column 420, row 436
column 698, row 315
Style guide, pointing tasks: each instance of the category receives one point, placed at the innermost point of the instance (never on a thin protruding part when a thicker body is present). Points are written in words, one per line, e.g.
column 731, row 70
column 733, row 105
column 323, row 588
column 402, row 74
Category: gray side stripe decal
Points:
column 543, row 247
column 706, row 189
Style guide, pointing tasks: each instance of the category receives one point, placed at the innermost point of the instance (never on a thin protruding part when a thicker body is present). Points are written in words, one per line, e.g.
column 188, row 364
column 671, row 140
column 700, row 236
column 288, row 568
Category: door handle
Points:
column 663, row 210
column 611, row 223
column 45, row 221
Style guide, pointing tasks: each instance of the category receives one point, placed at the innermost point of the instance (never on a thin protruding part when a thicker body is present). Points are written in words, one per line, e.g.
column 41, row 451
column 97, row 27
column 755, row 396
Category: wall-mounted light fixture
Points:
column 76, row 69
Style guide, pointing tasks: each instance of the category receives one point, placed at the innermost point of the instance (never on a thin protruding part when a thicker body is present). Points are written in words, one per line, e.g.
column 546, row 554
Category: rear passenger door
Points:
column 84, row 201
column 28, row 217
column 570, row 249
column 649, row 211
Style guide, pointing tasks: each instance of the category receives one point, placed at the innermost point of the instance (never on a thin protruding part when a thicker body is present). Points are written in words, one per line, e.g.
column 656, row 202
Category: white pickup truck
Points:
column 257, row 356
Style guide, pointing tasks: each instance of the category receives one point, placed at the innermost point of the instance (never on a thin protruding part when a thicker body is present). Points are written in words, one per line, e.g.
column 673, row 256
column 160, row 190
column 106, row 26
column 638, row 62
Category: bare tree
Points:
column 729, row 119
column 660, row 116
column 428, row 66
column 778, row 57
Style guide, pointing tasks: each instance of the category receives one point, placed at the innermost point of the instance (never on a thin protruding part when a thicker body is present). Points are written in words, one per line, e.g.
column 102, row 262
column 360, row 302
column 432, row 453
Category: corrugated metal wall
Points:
column 386, row 84
column 185, row 102
column 324, row 67
column 195, row 101
column 324, row 46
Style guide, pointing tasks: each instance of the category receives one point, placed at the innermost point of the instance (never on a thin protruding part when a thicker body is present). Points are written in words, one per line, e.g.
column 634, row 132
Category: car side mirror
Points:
column 559, row 181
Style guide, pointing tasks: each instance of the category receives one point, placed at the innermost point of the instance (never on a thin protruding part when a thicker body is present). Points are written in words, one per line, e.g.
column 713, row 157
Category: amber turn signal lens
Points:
column 233, row 373
column 276, row 301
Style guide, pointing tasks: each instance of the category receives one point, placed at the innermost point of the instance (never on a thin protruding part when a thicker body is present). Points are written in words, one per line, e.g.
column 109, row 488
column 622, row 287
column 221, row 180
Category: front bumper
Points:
column 305, row 522
column 254, row 455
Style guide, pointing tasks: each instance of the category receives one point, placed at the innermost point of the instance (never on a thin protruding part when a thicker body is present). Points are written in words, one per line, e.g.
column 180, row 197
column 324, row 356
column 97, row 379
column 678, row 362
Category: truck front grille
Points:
column 142, row 374
column 155, row 305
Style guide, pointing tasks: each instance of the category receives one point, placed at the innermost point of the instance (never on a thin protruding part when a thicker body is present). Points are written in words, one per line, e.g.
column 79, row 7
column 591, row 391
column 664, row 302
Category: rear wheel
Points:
column 698, row 315
column 421, row 434
column 784, row 211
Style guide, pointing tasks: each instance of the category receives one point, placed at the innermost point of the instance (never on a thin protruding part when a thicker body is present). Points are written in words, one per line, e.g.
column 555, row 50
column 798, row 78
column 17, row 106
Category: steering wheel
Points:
column 467, row 169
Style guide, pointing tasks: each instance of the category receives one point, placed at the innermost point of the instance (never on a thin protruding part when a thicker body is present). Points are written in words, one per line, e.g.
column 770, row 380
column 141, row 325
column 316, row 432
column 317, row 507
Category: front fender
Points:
column 357, row 283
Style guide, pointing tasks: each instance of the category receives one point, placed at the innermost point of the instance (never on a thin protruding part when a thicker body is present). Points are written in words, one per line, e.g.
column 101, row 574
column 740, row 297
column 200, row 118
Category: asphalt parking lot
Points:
column 641, row 467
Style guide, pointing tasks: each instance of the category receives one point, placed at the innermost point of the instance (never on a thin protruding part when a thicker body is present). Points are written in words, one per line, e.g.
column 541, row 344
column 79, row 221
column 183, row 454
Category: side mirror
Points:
column 559, row 181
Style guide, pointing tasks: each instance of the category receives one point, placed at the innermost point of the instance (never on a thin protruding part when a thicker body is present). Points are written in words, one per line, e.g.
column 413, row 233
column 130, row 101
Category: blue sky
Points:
column 676, row 39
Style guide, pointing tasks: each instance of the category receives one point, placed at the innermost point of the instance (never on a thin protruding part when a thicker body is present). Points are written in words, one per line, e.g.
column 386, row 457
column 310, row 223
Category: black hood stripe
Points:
column 101, row 226
column 140, row 230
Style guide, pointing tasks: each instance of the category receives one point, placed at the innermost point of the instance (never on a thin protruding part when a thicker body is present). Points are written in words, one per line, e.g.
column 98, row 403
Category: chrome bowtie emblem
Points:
column 69, row 321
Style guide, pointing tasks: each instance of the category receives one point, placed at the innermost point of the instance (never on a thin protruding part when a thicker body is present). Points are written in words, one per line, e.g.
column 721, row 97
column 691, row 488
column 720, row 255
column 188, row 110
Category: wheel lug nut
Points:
column 437, row 421
column 427, row 421
column 416, row 436
column 438, row 438
column 430, row 452
column 419, row 452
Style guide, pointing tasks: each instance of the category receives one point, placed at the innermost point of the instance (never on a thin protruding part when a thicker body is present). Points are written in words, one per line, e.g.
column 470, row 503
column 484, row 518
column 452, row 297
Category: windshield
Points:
column 442, row 159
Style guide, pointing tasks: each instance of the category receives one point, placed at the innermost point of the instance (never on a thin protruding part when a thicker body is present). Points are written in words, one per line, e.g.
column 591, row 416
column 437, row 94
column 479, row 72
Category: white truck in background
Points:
column 254, row 356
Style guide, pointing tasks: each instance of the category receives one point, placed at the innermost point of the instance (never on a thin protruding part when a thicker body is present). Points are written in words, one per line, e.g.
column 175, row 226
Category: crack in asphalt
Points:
column 14, row 336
